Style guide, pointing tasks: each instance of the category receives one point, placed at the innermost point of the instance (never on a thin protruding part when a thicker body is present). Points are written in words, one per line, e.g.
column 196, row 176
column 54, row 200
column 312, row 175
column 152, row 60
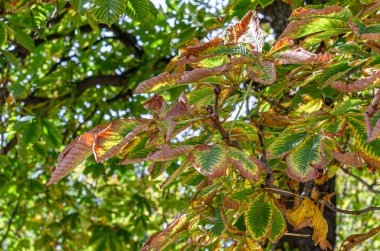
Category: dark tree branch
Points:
column 10, row 221
column 9, row 146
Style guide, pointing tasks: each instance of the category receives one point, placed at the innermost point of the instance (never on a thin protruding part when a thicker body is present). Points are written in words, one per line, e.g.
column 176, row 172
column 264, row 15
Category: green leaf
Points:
column 3, row 34
column 52, row 135
column 258, row 217
column 365, row 32
column 12, row 59
column 286, row 141
column 107, row 11
column 265, row 3
column 278, row 225
column 199, row 98
column 24, row 39
column 247, row 166
column 300, row 160
column 138, row 9
column 345, row 106
column 31, row 132
column 264, row 72
column 161, row 82
column 209, row 160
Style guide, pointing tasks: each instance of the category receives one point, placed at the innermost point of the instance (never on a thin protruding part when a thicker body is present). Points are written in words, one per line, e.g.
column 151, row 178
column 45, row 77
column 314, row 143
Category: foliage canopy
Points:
column 236, row 132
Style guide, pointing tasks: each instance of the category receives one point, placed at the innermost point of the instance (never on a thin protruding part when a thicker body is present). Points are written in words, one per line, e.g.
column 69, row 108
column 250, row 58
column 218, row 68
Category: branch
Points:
column 216, row 122
column 269, row 176
column 10, row 221
column 360, row 180
column 8, row 147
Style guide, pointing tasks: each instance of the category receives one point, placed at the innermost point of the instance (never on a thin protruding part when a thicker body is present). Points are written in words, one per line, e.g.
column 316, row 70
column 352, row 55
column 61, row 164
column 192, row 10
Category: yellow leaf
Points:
column 302, row 215
column 320, row 230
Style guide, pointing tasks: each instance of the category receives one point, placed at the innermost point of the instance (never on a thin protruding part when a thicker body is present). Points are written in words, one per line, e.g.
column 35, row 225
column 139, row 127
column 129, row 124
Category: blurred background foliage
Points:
column 67, row 66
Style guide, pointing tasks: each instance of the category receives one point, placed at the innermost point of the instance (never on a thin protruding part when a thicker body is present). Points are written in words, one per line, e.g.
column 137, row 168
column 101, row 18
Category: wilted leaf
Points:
column 320, row 227
column 118, row 134
column 167, row 153
column 156, row 104
column 263, row 72
column 358, row 85
column 281, row 44
column 302, row 56
column 74, row 154
column 365, row 32
column 349, row 159
column 179, row 109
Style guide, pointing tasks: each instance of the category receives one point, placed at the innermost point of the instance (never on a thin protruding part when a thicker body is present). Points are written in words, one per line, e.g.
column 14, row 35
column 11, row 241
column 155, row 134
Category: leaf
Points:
column 52, row 134
column 364, row 32
column 358, row 85
column 180, row 108
column 242, row 131
column 353, row 240
column 167, row 153
column 77, row 151
column 286, row 141
column 3, row 34
column 247, row 166
column 140, row 9
column 271, row 119
column 209, row 160
column 282, row 43
column 159, row 240
column 115, row 136
column 31, row 132
column 349, row 159
column 12, row 59
column 370, row 151
column 24, row 39
column 311, row 106
column 161, row 82
column 259, row 217
column 310, row 21
column 156, row 104
column 302, row 56
column 320, row 227
column 345, row 106
column 302, row 215
column 174, row 175
column 107, row 11
column 199, row 50
column 263, row 72
column 278, row 225
column 302, row 159
column 250, row 32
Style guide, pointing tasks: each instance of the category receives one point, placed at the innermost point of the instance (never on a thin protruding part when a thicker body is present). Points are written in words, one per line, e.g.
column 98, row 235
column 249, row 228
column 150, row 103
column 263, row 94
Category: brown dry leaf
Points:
column 250, row 32
column 74, row 154
column 320, row 227
column 349, row 159
column 375, row 132
column 155, row 104
column 301, row 56
column 358, row 85
column 281, row 44
column 180, row 108
column 354, row 240
column 167, row 153
column 200, row 49
column 314, row 194
column 202, row 73
column 372, row 108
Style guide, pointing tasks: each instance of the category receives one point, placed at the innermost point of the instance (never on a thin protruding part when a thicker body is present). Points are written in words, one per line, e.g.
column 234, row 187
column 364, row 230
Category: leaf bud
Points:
column 217, row 90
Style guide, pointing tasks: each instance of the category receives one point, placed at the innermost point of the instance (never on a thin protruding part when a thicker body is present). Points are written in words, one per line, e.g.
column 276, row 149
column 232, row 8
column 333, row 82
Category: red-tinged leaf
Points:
column 349, row 159
column 364, row 32
column 252, row 33
column 200, row 49
column 209, row 160
column 156, row 104
column 117, row 135
column 158, row 83
column 127, row 161
column 358, row 85
column 375, row 133
column 114, row 150
column 302, row 13
column 74, row 154
column 247, row 166
column 180, row 108
column 167, row 153
column 263, row 72
column 284, row 42
column 159, row 240
column 302, row 56
column 247, row 31
column 202, row 73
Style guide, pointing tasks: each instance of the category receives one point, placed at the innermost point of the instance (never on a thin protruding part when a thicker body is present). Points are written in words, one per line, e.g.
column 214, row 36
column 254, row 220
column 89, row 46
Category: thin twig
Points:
column 10, row 221
column 269, row 176
column 360, row 180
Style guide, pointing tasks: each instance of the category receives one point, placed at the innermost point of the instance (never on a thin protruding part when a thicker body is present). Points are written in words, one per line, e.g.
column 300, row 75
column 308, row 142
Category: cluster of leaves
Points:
column 317, row 96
